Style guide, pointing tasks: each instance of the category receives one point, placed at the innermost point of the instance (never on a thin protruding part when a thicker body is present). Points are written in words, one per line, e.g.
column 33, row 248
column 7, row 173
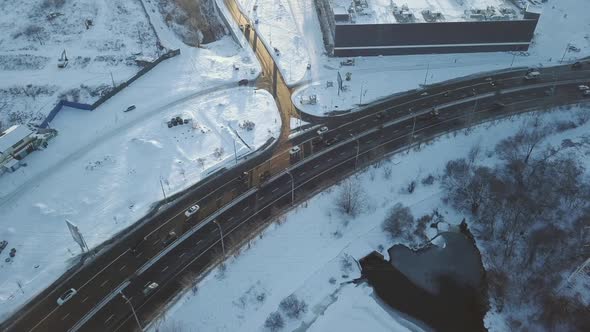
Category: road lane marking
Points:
column 246, row 208
column 316, row 166
column 122, row 267
column 108, row 319
column 166, row 268
column 230, row 218
column 261, row 198
column 302, row 174
column 329, row 159
column 66, row 316
column 156, row 242
column 275, row 189
column 138, row 255
column 342, row 153
column 84, row 300
column 184, row 253
column 104, row 282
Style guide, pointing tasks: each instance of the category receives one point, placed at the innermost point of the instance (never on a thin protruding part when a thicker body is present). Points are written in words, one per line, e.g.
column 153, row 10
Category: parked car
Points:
column 322, row 130
column 192, row 210
column 583, row 87
column 243, row 82
column 150, row 287
column 587, row 93
column 130, row 108
column 66, row 296
column 577, row 65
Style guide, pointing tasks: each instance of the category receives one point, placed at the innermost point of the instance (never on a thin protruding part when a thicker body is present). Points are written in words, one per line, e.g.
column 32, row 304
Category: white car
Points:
column 583, row 87
column 322, row 130
column 294, row 150
column 150, row 287
column 66, row 296
column 192, row 210
column 587, row 93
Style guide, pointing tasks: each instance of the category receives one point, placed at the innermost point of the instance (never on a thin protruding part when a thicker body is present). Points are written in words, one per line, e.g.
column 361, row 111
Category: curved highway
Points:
column 170, row 249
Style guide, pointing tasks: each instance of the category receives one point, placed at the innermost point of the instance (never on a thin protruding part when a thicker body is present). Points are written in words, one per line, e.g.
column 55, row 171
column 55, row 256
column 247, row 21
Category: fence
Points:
column 91, row 107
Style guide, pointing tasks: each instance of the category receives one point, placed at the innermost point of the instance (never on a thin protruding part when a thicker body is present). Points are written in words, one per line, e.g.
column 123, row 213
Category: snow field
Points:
column 112, row 184
column 308, row 246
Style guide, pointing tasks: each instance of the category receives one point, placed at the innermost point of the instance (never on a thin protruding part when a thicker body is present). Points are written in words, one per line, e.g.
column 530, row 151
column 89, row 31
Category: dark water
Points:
column 441, row 287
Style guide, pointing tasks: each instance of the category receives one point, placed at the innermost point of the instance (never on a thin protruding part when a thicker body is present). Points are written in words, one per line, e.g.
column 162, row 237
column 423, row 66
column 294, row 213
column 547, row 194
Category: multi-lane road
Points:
column 171, row 249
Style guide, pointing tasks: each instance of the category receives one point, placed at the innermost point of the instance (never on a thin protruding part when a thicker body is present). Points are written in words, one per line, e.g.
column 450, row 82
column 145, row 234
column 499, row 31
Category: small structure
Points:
column 62, row 62
column 341, row 14
column 17, row 142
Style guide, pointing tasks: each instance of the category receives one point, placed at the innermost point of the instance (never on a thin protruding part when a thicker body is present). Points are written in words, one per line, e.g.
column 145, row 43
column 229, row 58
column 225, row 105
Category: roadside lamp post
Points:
column 357, row 153
column 292, row 187
column 132, row 310
column 221, row 235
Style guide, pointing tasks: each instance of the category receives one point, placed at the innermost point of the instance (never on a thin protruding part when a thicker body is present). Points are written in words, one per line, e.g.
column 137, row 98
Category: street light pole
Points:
column 292, row 187
column 513, row 57
column 565, row 51
column 132, row 310
column 357, row 153
column 221, row 235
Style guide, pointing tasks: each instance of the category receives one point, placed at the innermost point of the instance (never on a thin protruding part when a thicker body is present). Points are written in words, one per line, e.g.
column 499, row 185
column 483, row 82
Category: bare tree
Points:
column 292, row 306
column 351, row 198
column 398, row 219
column 274, row 322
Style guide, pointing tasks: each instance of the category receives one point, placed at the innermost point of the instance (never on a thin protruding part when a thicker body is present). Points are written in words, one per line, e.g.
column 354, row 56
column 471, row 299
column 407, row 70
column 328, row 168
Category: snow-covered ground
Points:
column 31, row 83
column 307, row 252
column 112, row 184
column 294, row 29
column 381, row 11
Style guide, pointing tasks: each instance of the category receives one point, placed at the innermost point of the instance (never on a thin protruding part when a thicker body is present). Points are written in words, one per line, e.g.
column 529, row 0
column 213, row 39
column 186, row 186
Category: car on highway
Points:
column 497, row 105
column 243, row 82
column 130, row 108
column 192, row 210
column 583, row 87
column 531, row 75
column 150, row 287
column 66, row 296
column 322, row 130
column 331, row 141
column 294, row 150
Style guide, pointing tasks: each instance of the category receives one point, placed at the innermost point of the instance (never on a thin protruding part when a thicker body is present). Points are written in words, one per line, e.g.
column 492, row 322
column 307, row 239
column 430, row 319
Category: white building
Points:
column 15, row 143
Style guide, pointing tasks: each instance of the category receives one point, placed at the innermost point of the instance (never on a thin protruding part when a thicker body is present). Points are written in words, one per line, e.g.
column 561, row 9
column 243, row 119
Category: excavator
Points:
column 62, row 62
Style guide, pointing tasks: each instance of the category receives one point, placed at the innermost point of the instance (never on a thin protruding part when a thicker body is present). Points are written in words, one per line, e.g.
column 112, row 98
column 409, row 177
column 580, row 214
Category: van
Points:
column 532, row 75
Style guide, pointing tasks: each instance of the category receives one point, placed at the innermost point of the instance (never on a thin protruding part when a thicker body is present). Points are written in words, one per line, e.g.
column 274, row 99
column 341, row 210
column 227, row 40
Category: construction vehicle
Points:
column 62, row 62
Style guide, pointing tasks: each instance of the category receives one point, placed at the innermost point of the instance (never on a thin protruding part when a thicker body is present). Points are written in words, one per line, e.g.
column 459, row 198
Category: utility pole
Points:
column 361, row 95
column 163, row 192
column 221, row 235
column 113, row 80
column 565, row 51
column 292, row 187
column 235, row 152
column 427, row 70
column 132, row 310
column 413, row 129
column 513, row 57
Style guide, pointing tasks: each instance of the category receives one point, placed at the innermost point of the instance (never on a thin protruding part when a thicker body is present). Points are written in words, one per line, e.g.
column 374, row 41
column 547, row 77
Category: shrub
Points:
column 292, row 306
column 274, row 321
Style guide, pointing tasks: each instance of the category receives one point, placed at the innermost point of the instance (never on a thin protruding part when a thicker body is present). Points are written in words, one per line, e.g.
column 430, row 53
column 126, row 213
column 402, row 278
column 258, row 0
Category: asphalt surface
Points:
column 242, row 199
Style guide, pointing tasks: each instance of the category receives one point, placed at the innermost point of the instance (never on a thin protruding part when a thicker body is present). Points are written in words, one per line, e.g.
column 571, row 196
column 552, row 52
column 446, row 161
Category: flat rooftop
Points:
column 416, row 11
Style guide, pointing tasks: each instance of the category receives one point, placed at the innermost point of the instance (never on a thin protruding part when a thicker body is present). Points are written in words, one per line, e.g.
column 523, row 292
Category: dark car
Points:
column 577, row 65
column 331, row 141
column 243, row 82
column 130, row 108
column 497, row 105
